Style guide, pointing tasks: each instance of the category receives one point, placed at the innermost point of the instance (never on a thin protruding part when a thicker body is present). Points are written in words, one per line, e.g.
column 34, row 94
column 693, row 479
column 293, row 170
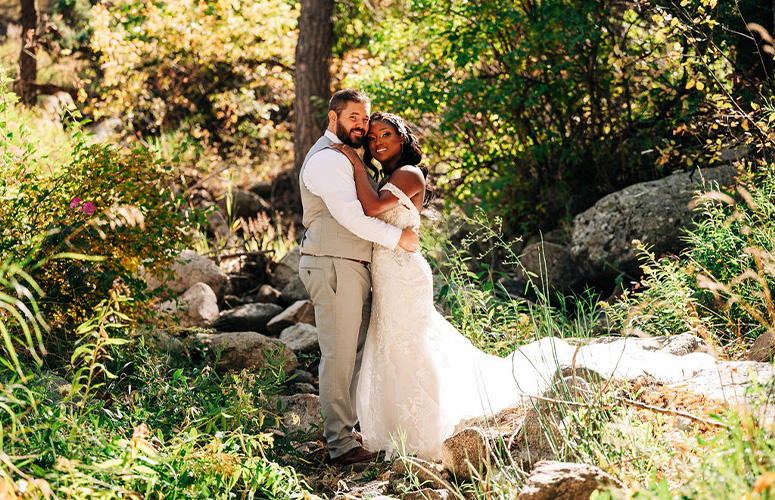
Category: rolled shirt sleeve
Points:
column 329, row 175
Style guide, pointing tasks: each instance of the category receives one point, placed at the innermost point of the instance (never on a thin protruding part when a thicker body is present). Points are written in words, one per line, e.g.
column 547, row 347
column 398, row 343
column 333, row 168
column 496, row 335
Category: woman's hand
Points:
column 348, row 151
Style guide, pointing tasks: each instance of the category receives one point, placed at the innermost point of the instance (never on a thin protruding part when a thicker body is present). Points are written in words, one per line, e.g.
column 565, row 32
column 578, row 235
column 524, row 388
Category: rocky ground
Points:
column 277, row 317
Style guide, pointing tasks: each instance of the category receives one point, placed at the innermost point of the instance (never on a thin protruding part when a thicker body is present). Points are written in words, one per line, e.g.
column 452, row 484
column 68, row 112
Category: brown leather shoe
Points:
column 354, row 456
column 358, row 437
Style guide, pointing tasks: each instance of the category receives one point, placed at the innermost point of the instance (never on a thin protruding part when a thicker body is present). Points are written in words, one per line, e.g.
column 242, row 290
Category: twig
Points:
column 633, row 403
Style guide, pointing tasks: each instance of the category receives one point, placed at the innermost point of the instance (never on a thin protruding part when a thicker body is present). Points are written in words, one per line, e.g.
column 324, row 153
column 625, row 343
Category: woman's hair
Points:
column 411, row 154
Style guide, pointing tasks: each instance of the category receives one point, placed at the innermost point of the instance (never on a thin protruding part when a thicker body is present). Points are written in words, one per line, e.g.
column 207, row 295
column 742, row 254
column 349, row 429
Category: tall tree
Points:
column 28, row 63
column 313, row 75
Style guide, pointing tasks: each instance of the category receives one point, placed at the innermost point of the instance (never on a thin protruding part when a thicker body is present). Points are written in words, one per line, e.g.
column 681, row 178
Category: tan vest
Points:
column 324, row 235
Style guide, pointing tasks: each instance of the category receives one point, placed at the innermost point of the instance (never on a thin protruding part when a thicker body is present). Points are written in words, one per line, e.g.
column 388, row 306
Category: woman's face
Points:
column 383, row 142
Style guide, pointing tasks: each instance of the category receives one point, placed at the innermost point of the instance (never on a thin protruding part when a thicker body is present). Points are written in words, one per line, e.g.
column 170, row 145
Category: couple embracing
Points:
column 390, row 362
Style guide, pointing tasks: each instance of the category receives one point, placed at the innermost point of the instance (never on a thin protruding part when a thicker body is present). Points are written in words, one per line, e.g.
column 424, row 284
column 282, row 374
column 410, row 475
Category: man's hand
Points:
column 410, row 238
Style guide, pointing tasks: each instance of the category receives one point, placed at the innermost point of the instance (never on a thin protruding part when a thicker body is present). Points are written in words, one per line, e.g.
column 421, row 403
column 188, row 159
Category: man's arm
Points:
column 329, row 175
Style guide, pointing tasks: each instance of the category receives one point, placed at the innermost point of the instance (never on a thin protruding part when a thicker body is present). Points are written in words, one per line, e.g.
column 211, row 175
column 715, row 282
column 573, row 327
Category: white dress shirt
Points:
column 329, row 174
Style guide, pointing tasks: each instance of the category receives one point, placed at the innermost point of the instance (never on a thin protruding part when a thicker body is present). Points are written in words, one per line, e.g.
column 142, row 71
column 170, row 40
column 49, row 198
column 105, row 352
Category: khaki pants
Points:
column 340, row 291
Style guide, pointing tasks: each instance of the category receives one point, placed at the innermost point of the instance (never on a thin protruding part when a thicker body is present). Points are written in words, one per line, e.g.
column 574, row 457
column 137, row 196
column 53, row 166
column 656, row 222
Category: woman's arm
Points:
column 408, row 179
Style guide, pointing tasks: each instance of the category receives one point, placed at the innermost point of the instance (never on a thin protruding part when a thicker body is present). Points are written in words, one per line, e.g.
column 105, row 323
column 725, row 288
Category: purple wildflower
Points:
column 87, row 208
column 75, row 202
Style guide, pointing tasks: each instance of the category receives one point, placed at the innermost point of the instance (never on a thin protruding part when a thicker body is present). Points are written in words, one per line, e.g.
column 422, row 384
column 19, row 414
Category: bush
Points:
column 85, row 222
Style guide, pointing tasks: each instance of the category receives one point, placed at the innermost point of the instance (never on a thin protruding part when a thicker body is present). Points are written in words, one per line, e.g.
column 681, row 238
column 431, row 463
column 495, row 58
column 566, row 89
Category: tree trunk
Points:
column 312, row 76
column 28, row 63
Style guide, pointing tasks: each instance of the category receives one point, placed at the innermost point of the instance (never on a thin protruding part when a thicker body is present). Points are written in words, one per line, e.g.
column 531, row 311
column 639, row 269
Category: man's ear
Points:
column 331, row 117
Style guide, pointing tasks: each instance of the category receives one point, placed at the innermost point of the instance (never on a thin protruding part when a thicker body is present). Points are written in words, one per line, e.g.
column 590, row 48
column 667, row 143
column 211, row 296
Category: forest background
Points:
column 532, row 110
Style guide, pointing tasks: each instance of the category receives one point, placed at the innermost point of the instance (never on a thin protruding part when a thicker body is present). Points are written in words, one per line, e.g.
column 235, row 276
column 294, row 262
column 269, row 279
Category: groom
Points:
column 335, row 254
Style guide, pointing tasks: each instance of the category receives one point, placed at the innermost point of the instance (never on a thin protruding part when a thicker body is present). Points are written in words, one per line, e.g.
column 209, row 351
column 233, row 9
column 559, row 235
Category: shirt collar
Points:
column 332, row 136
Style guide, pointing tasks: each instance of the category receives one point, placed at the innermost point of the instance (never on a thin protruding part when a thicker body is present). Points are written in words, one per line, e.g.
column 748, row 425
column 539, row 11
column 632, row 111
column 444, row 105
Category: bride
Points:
column 419, row 375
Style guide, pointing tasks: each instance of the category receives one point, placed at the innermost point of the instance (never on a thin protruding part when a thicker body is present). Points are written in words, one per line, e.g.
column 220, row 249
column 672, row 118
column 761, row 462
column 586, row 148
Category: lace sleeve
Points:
column 403, row 199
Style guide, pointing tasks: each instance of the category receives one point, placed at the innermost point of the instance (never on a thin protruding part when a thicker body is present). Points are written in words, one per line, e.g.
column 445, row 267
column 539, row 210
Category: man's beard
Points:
column 344, row 135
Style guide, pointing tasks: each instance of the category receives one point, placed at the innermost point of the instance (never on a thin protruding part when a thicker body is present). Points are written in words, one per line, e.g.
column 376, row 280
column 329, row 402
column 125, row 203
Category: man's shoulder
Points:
column 328, row 154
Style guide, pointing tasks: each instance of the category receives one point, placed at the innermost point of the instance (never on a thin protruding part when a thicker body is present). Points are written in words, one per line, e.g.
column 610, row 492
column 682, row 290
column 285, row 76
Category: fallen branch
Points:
column 637, row 404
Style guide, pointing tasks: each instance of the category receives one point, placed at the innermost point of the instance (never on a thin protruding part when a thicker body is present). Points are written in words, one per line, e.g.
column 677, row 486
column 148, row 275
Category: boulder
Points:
column 244, row 204
column 539, row 436
column 287, row 269
column 250, row 351
column 199, row 306
column 302, row 413
column 552, row 480
column 427, row 474
column 188, row 269
column 427, row 494
column 302, row 388
column 468, row 450
column 250, row 317
column 548, row 266
column 301, row 311
column 763, row 348
column 304, row 376
column 294, row 291
column 163, row 342
column 217, row 224
column 655, row 212
column 268, row 294
column 301, row 338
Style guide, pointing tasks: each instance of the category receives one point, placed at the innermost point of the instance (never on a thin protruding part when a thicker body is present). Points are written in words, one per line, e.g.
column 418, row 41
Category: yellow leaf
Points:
column 690, row 84
column 744, row 124
column 700, row 86
column 764, row 482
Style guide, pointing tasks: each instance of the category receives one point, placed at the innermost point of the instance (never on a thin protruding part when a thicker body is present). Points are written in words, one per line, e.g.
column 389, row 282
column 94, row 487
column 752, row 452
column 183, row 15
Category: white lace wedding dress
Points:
column 420, row 376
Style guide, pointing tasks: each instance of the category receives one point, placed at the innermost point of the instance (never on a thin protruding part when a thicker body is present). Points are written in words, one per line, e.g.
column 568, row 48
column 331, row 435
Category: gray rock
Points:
column 249, row 351
column 548, row 265
column 539, row 436
column 301, row 338
column 217, row 224
column 268, row 294
column 287, row 269
column 302, row 413
column 655, row 212
column 244, row 204
column 188, row 269
column 166, row 343
column 302, row 388
column 199, row 306
column 301, row 311
column 304, row 376
column 104, row 129
column 426, row 474
column 294, row 291
column 250, row 317
column 427, row 494
column 763, row 348
column 552, row 480
column 465, row 451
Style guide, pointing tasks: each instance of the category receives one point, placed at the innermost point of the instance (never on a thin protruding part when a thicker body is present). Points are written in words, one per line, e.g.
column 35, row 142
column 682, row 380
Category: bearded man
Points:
column 334, row 267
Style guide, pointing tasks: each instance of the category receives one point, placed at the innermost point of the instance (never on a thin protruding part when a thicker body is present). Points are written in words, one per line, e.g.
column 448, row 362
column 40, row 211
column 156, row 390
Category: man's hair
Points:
column 341, row 97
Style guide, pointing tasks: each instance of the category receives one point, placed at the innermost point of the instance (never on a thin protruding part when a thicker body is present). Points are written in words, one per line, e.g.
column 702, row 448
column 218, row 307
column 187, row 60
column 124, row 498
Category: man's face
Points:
column 352, row 124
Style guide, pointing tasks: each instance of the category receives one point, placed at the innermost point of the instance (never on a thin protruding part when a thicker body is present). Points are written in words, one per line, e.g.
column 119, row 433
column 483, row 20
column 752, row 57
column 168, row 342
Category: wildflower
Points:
column 75, row 202
column 87, row 208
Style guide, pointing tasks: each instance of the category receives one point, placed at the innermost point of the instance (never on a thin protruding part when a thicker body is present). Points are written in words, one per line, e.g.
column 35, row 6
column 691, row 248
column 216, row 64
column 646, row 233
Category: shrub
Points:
column 85, row 222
